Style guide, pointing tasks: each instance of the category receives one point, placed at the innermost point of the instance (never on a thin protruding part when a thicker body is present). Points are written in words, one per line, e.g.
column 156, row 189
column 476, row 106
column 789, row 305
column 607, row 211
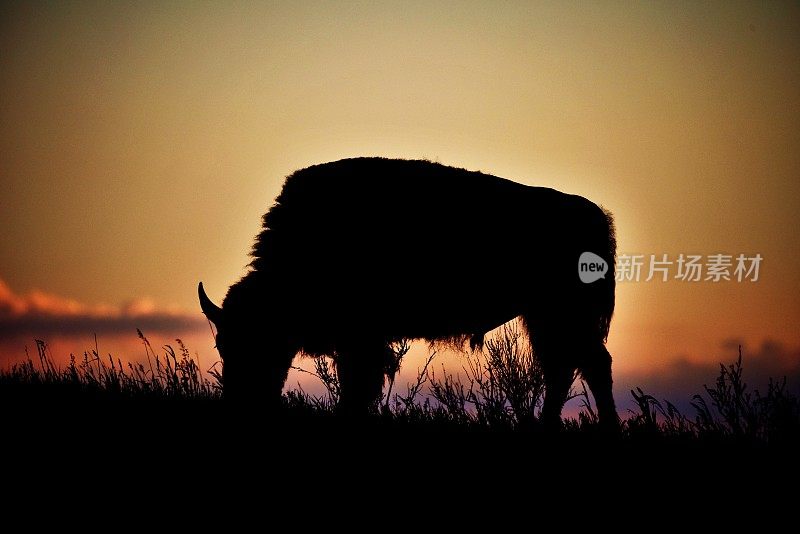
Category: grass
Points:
column 499, row 390
column 161, row 429
column 173, row 375
column 470, row 436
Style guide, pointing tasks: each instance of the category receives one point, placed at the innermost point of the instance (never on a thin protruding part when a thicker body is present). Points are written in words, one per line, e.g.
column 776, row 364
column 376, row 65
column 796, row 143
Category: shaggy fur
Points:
column 359, row 253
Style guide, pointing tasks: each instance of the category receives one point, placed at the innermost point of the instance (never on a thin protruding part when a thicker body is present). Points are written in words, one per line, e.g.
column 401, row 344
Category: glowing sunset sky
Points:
column 140, row 144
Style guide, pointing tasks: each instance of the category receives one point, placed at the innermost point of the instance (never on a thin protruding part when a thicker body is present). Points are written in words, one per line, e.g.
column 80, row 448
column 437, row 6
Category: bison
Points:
column 359, row 253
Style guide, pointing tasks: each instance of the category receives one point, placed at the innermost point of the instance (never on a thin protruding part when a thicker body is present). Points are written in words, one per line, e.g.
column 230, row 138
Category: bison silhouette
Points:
column 360, row 253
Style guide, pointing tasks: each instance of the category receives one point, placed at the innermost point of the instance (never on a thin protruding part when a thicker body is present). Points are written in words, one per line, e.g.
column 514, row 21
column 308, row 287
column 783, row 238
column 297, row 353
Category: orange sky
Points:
column 140, row 144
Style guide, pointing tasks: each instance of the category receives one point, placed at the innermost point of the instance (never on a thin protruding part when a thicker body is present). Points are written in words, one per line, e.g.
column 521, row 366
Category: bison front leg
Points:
column 360, row 368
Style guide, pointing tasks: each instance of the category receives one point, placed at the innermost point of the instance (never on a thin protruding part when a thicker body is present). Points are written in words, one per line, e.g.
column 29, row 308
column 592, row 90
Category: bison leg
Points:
column 278, row 362
column 557, row 381
column 360, row 368
column 596, row 370
column 553, row 346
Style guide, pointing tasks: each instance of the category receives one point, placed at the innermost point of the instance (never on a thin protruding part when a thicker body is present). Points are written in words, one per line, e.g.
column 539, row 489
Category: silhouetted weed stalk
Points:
column 502, row 386
column 499, row 387
column 169, row 374
column 729, row 409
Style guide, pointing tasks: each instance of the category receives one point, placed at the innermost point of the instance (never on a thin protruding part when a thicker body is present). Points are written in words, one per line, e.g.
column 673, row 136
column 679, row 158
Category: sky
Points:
column 141, row 142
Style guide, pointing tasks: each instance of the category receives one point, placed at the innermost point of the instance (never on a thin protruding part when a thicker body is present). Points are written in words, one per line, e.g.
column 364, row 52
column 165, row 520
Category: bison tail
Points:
column 609, row 282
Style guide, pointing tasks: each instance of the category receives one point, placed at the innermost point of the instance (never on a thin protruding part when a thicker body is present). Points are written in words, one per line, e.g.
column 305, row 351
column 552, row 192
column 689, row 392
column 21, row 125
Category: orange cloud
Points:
column 43, row 314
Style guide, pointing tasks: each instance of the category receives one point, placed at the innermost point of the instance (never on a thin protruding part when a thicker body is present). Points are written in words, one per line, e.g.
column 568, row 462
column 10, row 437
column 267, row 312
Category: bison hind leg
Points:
column 558, row 378
column 360, row 367
column 596, row 370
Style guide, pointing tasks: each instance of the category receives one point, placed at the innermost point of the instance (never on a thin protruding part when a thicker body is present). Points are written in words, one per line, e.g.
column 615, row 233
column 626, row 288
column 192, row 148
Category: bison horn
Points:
column 211, row 310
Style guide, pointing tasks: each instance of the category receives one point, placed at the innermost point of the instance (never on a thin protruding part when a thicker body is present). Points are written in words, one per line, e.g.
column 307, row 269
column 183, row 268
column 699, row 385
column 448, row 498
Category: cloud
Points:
column 43, row 315
column 683, row 378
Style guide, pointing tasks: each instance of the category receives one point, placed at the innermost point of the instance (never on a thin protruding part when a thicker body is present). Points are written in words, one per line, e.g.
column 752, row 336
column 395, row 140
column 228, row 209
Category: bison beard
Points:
column 359, row 253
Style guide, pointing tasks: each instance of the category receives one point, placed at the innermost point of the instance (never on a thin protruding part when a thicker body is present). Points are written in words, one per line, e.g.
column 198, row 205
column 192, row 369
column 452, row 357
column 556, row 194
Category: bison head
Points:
column 211, row 310
column 226, row 341
column 246, row 373
column 215, row 314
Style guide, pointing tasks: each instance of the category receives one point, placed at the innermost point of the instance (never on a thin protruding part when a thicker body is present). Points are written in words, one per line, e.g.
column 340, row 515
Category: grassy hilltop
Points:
column 500, row 391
